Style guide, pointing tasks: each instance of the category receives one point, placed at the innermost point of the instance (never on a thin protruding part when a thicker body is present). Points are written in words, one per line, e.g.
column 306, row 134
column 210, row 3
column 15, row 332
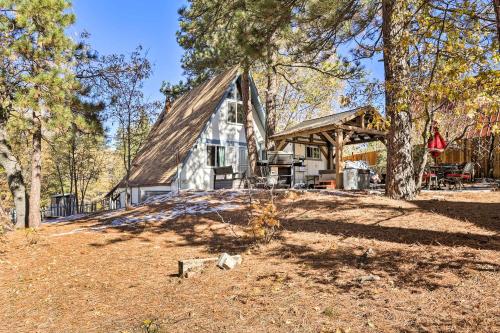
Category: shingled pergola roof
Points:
column 360, row 125
column 176, row 131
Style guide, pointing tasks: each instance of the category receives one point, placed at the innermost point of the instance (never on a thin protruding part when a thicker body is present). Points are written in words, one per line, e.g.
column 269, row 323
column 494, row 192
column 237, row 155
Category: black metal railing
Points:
column 54, row 211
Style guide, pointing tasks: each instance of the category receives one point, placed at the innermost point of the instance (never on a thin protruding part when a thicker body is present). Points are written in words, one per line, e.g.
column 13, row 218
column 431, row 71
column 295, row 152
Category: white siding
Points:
column 312, row 166
column 196, row 174
column 138, row 193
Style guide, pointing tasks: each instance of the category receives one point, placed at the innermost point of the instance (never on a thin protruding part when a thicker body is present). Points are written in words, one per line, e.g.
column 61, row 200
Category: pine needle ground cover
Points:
column 339, row 263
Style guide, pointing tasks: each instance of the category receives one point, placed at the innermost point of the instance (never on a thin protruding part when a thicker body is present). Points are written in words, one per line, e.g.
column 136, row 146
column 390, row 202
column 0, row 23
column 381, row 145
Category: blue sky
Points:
column 119, row 26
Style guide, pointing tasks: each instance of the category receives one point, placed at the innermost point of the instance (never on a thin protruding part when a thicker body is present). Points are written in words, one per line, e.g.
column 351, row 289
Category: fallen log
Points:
column 191, row 265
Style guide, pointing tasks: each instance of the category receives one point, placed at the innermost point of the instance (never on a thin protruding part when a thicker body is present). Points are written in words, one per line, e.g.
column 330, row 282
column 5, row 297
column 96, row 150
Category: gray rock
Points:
column 227, row 261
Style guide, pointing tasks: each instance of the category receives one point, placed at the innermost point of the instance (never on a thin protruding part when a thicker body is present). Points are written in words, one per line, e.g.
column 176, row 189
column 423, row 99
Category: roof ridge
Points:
column 330, row 115
column 334, row 114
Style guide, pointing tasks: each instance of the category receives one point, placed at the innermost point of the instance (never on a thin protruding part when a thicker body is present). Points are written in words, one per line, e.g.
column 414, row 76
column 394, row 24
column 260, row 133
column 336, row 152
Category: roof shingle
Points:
column 175, row 132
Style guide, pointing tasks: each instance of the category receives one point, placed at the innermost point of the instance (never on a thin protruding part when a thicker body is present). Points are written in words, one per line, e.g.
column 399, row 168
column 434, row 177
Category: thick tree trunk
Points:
column 36, row 173
column 270, row 106
column 249, row 129
column 15, row 179
column 496, row 5
column 400, row 181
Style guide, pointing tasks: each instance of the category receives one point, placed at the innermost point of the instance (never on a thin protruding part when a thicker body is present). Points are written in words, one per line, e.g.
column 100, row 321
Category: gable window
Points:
column 216, row 156
column 235, row 106
column 313, row 152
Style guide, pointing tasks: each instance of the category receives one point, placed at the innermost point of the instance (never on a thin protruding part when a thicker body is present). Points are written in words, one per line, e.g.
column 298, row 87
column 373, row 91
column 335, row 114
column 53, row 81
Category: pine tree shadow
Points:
column 342, row 267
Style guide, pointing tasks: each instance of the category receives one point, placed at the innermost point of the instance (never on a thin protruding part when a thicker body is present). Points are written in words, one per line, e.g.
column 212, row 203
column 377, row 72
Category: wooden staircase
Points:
column 326, row 185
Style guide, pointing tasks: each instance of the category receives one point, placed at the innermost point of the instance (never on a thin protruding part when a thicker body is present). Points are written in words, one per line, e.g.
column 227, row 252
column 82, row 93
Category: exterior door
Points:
column 242, row 160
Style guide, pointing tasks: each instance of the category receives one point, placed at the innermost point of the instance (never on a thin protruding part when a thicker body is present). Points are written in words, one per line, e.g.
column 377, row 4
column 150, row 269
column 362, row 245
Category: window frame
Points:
column 216, row 150
column 232, row 99
column 313, row 149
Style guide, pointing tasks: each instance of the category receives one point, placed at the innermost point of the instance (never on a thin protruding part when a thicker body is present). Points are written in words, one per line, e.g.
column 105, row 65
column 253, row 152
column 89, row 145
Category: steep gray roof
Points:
column 176, row 131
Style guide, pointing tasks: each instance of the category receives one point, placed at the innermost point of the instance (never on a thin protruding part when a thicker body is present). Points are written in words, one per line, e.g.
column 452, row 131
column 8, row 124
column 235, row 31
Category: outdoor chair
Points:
column 456, row 178
column 431, row 180
column 225, row 177
column 266, row 181
column 465, row 174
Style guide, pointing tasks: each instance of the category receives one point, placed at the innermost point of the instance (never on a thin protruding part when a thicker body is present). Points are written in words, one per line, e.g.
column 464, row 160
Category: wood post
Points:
column 329, row 164
column 339, row 164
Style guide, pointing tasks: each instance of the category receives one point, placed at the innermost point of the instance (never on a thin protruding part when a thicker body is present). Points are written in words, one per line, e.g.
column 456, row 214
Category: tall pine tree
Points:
column 43, row 55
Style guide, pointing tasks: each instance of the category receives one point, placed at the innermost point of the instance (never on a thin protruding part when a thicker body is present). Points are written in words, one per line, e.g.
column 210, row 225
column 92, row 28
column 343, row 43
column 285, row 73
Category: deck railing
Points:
column 53, row 211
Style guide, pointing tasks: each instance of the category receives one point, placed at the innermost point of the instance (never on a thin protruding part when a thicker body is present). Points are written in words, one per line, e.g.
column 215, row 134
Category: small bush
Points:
column 32, row 236
column 264, row 222
column 150, row 326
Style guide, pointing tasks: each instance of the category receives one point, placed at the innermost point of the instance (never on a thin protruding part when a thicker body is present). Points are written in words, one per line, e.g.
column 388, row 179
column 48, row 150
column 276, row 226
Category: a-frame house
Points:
column 201, row 130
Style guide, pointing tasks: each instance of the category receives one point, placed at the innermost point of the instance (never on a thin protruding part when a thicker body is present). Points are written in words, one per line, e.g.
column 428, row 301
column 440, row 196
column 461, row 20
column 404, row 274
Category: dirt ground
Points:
column 430, row 265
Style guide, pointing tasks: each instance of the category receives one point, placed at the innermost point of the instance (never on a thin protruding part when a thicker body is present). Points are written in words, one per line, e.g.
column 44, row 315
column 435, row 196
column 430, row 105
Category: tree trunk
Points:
column 60, row 178
column 75, row 172
column 128, row 199
column 496, row 5
column 491, row 156
column 36, row 173
column 14, row 178
column 270, row 106
column 249, row 129
column 400, row 181
column 425, row 155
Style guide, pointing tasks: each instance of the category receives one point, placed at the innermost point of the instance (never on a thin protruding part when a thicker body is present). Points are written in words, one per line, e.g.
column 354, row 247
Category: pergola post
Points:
column 339, row 164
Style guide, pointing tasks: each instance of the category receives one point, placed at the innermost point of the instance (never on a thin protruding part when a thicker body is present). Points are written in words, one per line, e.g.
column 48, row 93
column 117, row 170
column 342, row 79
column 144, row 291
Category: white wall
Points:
column 196, row 174
column 138, row 193
column 312, row 166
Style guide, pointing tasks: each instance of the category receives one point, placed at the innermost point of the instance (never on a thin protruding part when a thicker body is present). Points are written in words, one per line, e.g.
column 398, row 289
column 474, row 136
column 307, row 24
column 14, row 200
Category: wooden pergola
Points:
column 331, row 133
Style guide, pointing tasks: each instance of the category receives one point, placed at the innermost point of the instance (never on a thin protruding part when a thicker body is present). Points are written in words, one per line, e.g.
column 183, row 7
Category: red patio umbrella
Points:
column 436, row 144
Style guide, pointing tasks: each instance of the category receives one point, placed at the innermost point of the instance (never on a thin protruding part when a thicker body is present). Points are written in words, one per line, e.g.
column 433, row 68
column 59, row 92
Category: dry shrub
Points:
column 151, row 326
column 264, row 222
column 32, row 236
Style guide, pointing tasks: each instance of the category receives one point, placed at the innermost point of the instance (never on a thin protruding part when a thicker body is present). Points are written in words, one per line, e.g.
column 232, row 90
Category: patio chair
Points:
column 431, row 180
column 465, row 174
column 457, row 178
